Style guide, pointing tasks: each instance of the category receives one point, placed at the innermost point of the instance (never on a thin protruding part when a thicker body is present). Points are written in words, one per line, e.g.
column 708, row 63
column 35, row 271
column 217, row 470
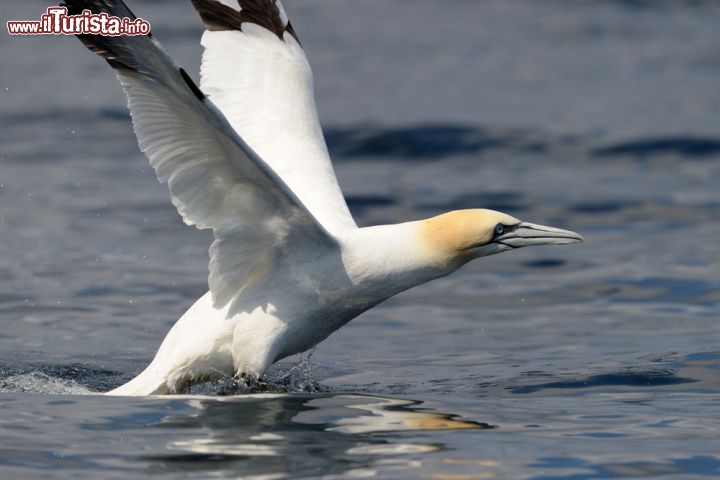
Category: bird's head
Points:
column 462, row 235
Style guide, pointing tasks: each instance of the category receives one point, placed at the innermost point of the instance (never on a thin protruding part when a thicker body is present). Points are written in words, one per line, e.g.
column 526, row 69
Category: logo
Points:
column 57, row 22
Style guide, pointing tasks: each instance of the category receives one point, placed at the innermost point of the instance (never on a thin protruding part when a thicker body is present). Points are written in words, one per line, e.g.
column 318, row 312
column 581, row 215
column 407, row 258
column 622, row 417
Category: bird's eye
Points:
column 499, row 229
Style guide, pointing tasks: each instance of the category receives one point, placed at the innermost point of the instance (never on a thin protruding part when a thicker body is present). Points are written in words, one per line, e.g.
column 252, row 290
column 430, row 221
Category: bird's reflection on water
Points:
column 280, row 435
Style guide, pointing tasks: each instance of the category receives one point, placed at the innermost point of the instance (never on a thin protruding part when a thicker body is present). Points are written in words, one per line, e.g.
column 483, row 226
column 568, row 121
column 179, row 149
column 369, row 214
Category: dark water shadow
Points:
column 604, row 207
column 508, row 201
column 643, row 379
column 429, row 141
column 359, row 205
column 694, row 291
column 692, row 147
column 693, row 372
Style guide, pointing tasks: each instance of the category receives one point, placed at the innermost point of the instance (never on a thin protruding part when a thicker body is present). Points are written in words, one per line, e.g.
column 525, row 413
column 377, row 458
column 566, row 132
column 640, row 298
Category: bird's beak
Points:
column 526, row 234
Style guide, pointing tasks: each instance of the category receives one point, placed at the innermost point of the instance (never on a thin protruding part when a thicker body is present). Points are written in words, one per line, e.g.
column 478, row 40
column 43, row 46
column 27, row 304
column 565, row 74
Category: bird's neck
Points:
column 388, row 259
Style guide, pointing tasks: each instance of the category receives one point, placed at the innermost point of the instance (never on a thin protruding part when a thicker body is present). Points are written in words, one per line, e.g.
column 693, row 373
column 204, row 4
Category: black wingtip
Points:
column 217, row 16
column 113, row 49
column 116, row 8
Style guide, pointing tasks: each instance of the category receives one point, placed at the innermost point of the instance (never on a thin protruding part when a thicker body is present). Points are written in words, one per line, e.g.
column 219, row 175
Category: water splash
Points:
column 297, row 378
column 41, row 383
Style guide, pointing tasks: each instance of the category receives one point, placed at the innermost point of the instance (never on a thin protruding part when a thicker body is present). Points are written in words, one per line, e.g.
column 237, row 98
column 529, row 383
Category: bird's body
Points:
column 311, row 296
column 244, row 155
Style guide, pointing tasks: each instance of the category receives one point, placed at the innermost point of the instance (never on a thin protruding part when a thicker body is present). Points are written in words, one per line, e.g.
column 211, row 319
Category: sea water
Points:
column 599, row 360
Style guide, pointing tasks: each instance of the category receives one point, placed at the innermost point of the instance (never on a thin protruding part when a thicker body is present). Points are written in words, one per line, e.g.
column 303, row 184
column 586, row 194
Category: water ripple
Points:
column 684, row 146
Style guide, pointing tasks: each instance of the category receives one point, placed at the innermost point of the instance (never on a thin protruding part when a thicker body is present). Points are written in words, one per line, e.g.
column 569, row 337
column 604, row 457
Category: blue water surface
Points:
column 593, row 361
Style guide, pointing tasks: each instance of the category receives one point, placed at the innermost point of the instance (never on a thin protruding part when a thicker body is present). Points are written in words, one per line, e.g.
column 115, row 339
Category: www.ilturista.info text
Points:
column 57, row 22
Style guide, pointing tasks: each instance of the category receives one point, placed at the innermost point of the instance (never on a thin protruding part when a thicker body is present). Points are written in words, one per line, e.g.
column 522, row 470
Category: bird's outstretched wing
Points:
column 215, row 179
column 254, row 69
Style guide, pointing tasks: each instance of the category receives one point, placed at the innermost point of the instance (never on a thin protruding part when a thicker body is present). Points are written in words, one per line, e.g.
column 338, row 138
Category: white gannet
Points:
column 243, row 154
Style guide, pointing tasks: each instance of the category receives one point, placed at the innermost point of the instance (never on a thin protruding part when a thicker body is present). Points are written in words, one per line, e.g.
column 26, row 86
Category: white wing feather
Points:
column 264, row 86
column 216, row 181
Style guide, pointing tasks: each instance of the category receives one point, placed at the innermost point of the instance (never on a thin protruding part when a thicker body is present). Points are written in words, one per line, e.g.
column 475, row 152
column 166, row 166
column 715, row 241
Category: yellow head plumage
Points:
column 452, row 234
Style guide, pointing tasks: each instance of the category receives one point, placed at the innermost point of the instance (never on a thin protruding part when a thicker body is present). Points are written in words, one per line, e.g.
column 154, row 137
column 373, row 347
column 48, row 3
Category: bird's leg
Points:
column 254, row 382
